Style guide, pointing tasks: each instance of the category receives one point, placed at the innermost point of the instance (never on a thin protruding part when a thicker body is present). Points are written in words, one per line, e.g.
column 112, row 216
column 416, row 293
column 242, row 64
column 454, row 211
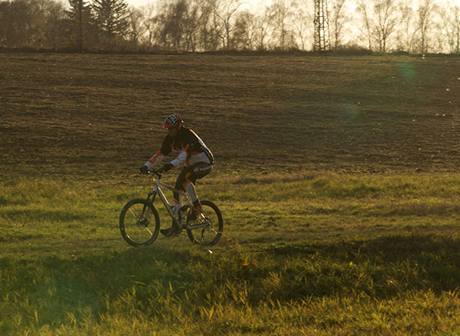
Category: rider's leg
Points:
column 176, row 206
column 189, row 187
column 199, row 171
column 180, row 184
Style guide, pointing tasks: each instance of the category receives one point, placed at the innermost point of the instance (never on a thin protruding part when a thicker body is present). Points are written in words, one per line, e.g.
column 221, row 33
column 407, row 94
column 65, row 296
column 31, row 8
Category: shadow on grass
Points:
column 60, row 290
column 388, row 249
column 381, row 267
column 157, row 280
column 42, row 215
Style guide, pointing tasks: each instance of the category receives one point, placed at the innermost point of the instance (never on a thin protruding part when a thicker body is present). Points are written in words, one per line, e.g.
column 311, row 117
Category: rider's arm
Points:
column 166, row 149
column 158, row 156
column 180, row 159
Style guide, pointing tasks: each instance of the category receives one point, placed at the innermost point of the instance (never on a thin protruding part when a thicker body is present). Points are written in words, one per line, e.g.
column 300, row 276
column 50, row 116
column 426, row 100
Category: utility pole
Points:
column 321, row 21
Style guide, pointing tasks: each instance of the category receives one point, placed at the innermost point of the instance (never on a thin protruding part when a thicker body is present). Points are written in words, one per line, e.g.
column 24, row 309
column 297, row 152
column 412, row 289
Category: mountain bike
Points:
column 140, row 221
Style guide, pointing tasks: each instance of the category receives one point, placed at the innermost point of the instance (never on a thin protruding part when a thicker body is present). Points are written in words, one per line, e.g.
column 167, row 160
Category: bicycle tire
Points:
column 128, row 234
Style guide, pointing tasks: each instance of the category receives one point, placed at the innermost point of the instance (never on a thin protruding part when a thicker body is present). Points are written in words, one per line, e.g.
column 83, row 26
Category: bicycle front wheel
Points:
column 139, row 223
column 207, row 229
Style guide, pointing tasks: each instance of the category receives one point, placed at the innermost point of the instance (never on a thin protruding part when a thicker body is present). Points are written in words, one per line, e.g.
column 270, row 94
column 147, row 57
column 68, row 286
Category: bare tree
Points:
column 405, row 28
column 172, row 33
column 337, row 19
column 191, row 28
column 54, row 25
column 367, row 25
column 24, row 23
column 455, row 23
column 150, row 25
column 136, row 28
column 205, row 30
column 424, row 23
column 278, row 14
column 16, row 24
column 302, row 21
column 243, row 32
column 205, row 35
column 451, row 24
column 224, row 14
column 4, row 9
column 261, row 30
column 385, row 12
column 380, row 19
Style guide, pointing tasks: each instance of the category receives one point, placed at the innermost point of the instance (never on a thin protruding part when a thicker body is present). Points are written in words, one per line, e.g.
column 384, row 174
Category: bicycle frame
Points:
column 156, row 190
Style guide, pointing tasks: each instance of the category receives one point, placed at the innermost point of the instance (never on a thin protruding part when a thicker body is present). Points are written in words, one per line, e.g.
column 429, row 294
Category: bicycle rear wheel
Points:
column 139, row 223
column 207, row 229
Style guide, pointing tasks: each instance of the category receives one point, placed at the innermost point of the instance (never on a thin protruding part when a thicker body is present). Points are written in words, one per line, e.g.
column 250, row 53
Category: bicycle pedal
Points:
column 167, row 232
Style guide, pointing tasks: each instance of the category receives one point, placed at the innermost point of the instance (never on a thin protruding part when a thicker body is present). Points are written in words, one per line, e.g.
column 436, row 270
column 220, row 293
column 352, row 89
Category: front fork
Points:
column 150, row 199
column 151, row 196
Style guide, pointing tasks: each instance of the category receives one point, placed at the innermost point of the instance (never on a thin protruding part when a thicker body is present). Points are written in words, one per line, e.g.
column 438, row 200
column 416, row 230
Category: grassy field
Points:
column 337, row 178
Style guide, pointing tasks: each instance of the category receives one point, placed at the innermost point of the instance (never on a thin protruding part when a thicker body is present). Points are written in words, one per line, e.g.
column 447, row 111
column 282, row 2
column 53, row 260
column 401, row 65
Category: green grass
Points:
column 313, row 253
column 337, row 178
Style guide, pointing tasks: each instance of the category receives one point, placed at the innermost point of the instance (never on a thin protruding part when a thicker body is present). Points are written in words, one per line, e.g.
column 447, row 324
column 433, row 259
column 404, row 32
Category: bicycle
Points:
column 139, row 221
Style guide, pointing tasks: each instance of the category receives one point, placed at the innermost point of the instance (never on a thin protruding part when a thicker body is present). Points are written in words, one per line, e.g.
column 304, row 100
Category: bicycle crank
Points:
column 198, row 226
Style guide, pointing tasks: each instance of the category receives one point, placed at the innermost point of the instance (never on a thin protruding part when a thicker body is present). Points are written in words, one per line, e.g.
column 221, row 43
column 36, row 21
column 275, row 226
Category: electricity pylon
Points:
column 321, row 26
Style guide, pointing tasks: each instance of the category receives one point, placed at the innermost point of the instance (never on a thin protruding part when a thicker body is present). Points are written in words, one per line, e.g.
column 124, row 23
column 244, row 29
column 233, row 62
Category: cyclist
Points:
column 195, row 157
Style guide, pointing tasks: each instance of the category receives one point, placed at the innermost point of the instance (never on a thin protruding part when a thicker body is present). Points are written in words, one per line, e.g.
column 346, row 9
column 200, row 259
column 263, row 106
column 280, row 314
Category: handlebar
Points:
column 155, row 173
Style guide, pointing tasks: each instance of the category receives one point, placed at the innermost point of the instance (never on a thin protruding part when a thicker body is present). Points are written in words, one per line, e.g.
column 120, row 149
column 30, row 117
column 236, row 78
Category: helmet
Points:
column 172, row 121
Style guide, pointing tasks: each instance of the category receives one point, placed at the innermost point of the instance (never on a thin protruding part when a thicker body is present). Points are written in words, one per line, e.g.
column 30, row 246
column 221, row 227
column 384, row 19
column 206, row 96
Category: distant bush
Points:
column 352, row 49
column 400, row 53
column 347, row 50
column 257, row 52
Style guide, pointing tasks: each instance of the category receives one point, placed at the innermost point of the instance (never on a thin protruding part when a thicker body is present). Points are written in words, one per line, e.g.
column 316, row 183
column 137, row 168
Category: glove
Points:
column 165, row 168
column 144, row 169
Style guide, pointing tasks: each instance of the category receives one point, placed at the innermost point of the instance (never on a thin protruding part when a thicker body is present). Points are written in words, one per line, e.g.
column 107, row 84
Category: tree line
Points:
column 212, row 25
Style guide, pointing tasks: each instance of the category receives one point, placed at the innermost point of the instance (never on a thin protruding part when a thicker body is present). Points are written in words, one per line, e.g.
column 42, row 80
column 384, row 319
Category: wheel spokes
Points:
column 207, row 232
column 148, row 230
column 137, row 227
column 206, row 229
column 133, row 213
